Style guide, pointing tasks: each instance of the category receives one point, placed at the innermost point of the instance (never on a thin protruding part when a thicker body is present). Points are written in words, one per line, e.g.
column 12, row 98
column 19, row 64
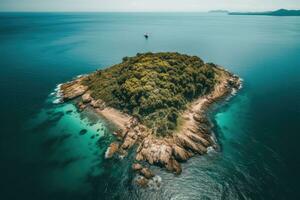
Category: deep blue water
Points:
column 43, row 156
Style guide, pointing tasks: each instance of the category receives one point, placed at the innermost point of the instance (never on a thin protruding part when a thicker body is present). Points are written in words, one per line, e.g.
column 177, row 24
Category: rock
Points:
column 159, row 152
column 142, row 181
column 186, row 142
column 137, row 166
column 146, row 173
column 142, row 128
column 97, row 103
column 86, row 98
column 122, row 152
column 119, row 133
column 131, row 134
column 180, row 153
column 81, row 106
column 139, row 157
column 128, row 142
column 111, row 150
column 203, row 129
column 173, row 166
column 82, row 132
column 176, row 167
column 200, row 119
column 198, row 139
column 73, row 89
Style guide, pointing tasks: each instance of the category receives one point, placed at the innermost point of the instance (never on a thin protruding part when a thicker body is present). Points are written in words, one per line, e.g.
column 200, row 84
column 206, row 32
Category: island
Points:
column 280, row 12
column 218, row 11
column 158, row 103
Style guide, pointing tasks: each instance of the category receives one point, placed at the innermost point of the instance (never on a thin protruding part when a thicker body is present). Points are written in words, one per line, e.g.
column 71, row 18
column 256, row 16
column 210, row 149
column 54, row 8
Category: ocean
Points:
column 50, row 151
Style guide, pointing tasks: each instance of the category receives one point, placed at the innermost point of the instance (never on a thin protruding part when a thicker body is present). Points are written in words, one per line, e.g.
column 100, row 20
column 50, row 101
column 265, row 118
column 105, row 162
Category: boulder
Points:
column 97, row 103
column 137, row 166
column 111, row 150
column 180, row 153
column 142, row 181
column 146, row 173
column 198, row 139
column 81, row 106
column 173, row 166
column 176, row 166
column 119, row 133
column 139, row 157
column 128, row 142
column 86, row 98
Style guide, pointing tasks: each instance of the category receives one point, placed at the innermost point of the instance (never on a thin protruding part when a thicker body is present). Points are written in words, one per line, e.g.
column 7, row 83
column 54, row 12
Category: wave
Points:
column 234, row 90
column 58, row 94
column 155, row 182
column 210, row 149
column 107, row 152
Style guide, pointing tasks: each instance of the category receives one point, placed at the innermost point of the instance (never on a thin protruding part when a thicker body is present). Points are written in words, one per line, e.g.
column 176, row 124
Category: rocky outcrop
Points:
column 142, row 181
column 111, row 150
column 98, row 104
column 147, row 173
column 73, row 89
column 81, row 106
column 86, row 98
column 180, row 153
column 185, row 142
column 137, row 167
column 159, row 152
column 129, row 140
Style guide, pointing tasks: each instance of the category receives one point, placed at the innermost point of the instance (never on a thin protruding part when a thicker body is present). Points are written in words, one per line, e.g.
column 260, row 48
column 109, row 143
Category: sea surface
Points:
column 49, row 151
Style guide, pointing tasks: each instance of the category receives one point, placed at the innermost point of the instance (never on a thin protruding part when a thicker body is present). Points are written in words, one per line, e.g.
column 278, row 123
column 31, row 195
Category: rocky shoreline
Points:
column 193, row 136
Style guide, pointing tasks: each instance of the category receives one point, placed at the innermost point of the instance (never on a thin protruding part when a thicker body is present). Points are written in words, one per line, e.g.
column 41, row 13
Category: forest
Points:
column 153, row 87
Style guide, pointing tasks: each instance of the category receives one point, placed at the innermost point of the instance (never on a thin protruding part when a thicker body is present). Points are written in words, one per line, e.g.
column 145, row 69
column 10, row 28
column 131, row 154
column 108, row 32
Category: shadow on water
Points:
column 48, row 123
column 63, row 163
column 53, row 142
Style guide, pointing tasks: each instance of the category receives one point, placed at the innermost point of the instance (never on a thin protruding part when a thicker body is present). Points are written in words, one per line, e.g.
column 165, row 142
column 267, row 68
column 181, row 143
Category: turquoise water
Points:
column 44, row 155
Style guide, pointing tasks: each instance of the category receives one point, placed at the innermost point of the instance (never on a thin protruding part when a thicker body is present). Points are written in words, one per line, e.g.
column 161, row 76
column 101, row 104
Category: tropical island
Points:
column 280, row 12
column 158, row 103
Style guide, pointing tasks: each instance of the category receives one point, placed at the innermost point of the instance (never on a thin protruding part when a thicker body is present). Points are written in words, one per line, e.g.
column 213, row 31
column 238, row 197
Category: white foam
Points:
column 58, row 94
column 155, row 182
column 210, row 149
column 57, row 88
column 233, row 92
column 57, row 101
column 107, row 152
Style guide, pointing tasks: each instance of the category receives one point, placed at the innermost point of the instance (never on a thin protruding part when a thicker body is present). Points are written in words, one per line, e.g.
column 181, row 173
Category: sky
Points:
column 146, row 5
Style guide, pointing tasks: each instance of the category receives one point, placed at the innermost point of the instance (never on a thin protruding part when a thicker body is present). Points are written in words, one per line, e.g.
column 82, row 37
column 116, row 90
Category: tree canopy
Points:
column 153, row 87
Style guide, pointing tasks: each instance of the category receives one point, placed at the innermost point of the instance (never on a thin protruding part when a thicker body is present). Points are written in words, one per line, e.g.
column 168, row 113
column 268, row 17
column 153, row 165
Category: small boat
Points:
column 146, row 35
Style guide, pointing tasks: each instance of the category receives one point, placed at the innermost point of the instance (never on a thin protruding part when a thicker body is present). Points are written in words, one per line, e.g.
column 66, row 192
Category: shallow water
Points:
column 46, row 155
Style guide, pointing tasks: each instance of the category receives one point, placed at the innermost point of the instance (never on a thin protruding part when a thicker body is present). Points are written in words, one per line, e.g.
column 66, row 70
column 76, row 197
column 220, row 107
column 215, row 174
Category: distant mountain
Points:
column 280, row 12
column 219, row 11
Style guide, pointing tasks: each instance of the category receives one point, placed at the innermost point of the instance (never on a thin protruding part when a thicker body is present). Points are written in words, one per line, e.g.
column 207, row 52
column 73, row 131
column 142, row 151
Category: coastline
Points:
column 193, row 137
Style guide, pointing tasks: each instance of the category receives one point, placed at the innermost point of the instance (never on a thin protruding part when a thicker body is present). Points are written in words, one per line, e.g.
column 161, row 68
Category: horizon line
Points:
column 132, row 11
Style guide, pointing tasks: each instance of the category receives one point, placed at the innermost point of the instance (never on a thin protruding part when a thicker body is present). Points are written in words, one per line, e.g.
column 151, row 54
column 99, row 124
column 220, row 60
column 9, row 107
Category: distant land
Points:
column 218, row 11
column 280, row 12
